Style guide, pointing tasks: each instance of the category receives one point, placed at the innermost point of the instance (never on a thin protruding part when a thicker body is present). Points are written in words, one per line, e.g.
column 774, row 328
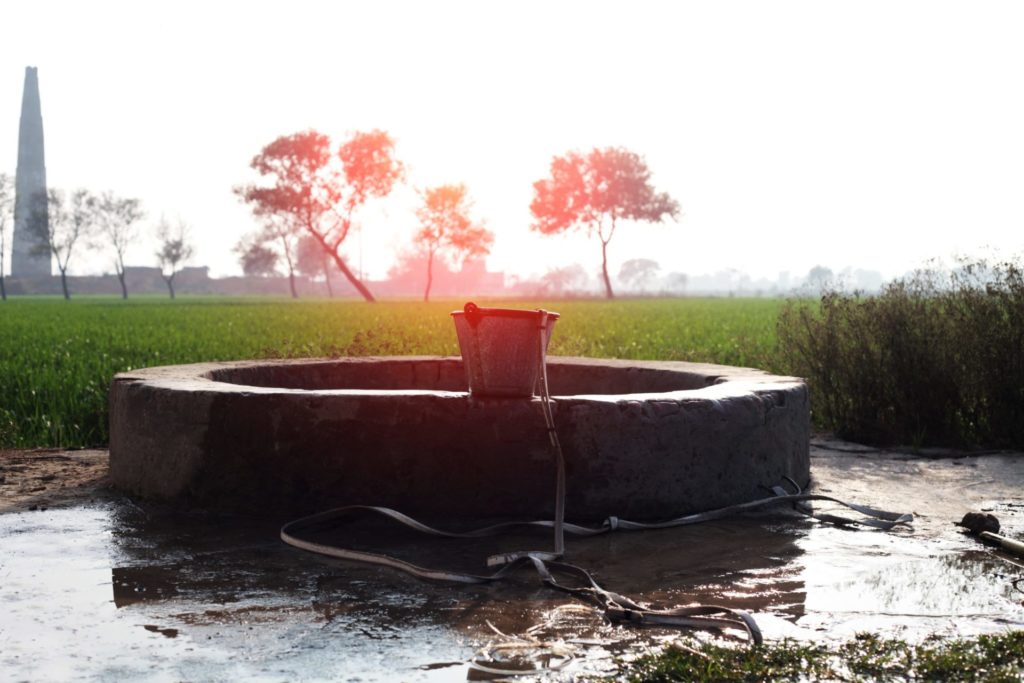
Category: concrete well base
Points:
column 642, row 439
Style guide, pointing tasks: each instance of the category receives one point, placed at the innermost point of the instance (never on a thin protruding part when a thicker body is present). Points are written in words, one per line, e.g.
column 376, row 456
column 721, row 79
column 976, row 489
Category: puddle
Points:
column 113, row 590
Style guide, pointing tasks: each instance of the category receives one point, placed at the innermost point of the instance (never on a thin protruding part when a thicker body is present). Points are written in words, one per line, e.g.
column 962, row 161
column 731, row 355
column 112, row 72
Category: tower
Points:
column 30, row 184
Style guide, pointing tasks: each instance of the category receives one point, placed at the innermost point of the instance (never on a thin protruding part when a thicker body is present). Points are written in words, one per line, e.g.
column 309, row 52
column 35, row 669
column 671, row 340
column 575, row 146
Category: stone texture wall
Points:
column 398, row 432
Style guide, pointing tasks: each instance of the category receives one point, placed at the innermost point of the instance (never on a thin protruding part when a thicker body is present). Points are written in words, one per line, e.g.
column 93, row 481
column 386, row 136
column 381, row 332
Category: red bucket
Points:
column 501, row 348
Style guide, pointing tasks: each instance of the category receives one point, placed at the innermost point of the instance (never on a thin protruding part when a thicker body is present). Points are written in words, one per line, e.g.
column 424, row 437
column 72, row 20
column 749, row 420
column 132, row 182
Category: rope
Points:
column 549, row 565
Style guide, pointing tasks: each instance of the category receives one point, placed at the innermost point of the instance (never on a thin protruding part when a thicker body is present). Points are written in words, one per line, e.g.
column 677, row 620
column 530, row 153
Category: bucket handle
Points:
column 473, row 314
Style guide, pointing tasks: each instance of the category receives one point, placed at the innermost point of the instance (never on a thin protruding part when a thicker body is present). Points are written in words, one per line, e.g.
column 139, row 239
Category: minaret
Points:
column 26, row 261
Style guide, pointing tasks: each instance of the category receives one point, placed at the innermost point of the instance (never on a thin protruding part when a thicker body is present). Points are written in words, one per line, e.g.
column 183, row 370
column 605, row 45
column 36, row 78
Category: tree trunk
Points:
column 170, row 284
column 291, row 283
column 360, row 287
column 291, row 266
column 430, row 277
column 356, row 282
column 327, row 278
column 119, row 267
column 64, row 284
column 604, row 270
column 3, row 290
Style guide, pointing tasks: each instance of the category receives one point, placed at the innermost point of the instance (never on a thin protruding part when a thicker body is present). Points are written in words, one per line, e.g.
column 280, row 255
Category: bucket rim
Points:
column 508, row 313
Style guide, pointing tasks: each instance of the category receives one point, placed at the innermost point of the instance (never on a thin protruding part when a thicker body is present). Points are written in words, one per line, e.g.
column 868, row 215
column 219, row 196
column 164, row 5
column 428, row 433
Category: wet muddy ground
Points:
column 96, row 586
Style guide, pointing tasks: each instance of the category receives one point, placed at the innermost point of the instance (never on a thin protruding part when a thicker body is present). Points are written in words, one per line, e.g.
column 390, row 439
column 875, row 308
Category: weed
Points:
column 932, row 360
column 998, row 657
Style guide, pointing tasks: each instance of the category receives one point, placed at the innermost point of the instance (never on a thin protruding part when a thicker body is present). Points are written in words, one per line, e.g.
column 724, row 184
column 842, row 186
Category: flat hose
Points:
column 549, row 564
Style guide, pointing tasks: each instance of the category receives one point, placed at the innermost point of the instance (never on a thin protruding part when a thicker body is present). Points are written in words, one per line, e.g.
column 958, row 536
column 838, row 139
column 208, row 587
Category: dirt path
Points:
column 48, row 478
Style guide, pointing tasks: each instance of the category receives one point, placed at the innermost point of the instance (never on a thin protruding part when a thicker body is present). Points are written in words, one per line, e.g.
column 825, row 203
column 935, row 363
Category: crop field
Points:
column 57, row 358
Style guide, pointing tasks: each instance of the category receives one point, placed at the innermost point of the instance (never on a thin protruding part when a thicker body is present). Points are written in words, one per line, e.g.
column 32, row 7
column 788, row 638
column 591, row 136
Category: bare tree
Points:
column 175, row 249
column 118, row 219
column 6, row 205
column 59, row 223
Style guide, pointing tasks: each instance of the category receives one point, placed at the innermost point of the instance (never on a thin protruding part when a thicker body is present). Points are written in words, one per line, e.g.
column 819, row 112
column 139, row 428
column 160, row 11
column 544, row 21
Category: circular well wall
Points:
column 642, row 439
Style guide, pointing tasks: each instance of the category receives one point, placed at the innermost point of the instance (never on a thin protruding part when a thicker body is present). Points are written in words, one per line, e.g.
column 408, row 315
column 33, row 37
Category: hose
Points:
column 549, row 565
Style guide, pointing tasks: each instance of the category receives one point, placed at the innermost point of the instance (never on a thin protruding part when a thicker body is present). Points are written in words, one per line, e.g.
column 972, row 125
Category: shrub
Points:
column 935, row 359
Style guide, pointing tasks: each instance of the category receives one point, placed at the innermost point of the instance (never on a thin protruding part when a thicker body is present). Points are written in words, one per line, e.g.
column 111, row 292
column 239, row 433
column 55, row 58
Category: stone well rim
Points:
column 721, row 381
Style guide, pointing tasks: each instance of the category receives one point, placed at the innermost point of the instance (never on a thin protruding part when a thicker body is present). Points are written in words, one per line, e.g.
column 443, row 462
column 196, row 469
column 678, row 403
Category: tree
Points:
column 446, row 230
column 256, row 258
column 676, row 282
column 309, row 191
column 175, row 249
column 565, row 279
column 636, row 273
column 312, row 261
column 59, row 223
column 284, row 234
column 6, row 205
column 118, row 219
column 594, row 193
column 819, row 278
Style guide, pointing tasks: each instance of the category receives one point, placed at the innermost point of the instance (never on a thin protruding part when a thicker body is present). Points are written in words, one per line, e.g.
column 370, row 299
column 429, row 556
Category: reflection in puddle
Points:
column 119, row 592
column 138, row 584
column 955, row 593
column 968, row 585
column 169, row 632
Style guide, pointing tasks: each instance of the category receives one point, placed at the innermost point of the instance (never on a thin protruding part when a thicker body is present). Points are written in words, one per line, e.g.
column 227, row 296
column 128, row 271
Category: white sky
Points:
column 865, row 134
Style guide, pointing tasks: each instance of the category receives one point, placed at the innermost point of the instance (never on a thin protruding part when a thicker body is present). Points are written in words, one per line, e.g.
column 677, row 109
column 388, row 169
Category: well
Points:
column 642, row 439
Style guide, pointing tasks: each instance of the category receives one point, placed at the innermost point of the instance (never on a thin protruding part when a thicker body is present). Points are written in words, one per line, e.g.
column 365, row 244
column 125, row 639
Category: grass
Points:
column 57, row 357
column 867, row 657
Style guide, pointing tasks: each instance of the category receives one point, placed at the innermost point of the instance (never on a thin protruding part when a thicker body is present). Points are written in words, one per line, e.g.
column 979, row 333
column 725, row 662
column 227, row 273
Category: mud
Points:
column 47, row 478
column 99, row 587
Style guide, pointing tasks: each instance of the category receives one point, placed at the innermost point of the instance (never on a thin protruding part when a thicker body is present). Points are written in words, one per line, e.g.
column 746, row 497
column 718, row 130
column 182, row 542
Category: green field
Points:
column 57, row 358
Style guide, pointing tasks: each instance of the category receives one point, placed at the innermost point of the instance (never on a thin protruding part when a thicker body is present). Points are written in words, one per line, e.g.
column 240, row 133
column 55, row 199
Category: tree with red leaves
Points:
column 595, row 192
column 446, row 229
column 314, row 195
